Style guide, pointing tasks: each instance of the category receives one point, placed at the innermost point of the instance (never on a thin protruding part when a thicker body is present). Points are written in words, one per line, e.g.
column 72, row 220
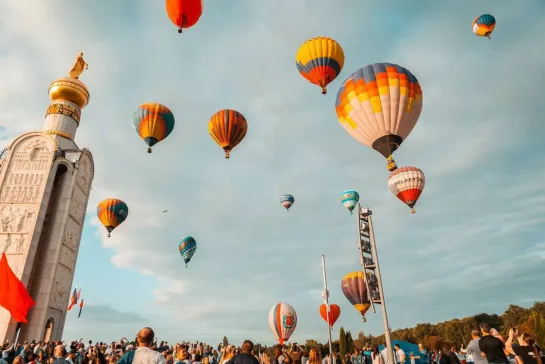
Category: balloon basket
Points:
column 180, row 31
column 108, row 234
column 186, row 265
column 413, row 211
column 324, row 91
column 149, row 150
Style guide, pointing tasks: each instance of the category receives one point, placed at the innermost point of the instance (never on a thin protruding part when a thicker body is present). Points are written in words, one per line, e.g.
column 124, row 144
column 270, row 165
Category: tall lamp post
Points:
column 325, row 295
column 371, row 271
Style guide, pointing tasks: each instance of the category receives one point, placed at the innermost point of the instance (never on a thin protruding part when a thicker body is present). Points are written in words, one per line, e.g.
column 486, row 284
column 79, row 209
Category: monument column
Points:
column 45, row 181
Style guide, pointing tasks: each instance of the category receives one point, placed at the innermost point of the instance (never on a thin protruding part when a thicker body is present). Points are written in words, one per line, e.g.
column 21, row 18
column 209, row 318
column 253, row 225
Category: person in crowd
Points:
column 358, row 357
column 295, row 352
column 314, row 356
column 496, row 334
column 376, row 356
column 473, row 350
column 143, row 354
column 491, row 347
column 182, row 355
column 385, row 356
column 246, row 356
column 228, row 353
column 424, row 354
column 400, row 354
column 526, row 350
column 448, row 356
column 60, row 354
column 305, row 357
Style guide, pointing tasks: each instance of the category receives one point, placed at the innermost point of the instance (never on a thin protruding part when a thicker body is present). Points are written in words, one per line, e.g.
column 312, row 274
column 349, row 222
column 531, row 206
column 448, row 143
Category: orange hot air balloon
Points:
column 407, row 183
column 334, row 313
column 184, row 13
column 228, row 128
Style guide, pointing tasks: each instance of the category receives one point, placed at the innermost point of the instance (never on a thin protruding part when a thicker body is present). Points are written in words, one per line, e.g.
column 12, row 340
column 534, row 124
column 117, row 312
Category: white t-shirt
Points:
column 376, row 359
column 400, row 354
column 144, row 355
column 384, row 354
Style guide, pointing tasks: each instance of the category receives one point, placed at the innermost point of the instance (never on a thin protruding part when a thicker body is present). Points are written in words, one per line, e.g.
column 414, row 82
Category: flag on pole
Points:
column 80, row 308
column 74, row 299
column 13, row 296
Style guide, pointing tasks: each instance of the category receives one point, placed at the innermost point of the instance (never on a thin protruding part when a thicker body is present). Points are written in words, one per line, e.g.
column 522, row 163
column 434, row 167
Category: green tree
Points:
column 349, row 342
column 342, row 342
column 225, row 341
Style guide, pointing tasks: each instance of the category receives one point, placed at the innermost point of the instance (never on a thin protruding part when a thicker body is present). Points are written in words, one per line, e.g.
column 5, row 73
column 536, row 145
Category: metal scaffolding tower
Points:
column 371, row 271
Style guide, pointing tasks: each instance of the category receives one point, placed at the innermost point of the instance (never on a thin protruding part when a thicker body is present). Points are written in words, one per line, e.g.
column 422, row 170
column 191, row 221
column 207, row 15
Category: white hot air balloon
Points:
column 282, row 321
column 407, row 183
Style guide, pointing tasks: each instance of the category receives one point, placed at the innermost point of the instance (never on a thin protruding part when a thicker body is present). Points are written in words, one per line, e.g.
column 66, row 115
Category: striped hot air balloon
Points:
column 350, row 199
column 227, row 128
column 187, row 248
column 320, row 60
column 153, row 122
column 407, row 183
column 282, row 321
column 354, row 288
column 111, row 213
column 287, row 200
column 484, row 25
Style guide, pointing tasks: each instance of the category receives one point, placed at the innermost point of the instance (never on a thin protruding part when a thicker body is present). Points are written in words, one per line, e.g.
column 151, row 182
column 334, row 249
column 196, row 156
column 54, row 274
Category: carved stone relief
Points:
column 77, row 213
column 67, row 257
column 33, row 155
column 84, row 173
column 78, row 196
column 71, row 238
column 16, row 218
column 61, row 288
column 13, row 243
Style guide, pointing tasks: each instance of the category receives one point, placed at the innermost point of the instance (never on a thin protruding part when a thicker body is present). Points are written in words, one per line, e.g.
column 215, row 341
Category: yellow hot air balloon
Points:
column 228, row 128
column 379, row 106
column 320, row 60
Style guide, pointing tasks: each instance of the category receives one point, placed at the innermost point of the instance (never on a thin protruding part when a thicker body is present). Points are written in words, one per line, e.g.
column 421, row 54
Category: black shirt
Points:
column 450, row 358
column 493, row 348
column 526, row 353
column 245, row 358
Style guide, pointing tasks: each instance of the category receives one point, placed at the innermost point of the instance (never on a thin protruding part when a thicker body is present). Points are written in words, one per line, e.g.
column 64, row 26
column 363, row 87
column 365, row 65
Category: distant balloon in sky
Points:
column 153, row 122
column 379, row 106
column 227, row 128
column 187, row 248
column 350, row 199
column 287, row 200
column 407, row 183
column 320, row 60
column 282, row 321
column 111, row 213
column 184, row 13
column 484, row 25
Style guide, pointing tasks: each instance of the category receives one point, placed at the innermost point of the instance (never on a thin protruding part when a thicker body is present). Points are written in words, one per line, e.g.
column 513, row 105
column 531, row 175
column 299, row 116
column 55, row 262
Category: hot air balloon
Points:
column 334, row 313
column 355, row 290
column 350, row 199
column 111, row 213
column 379, row 106
column 153, row 122
column 184, row 13
column 484, row 25
column 320, row 60
column 407, row 183
column 228, row 128
column 187, row 247
column 282, row 321
column 287, row 200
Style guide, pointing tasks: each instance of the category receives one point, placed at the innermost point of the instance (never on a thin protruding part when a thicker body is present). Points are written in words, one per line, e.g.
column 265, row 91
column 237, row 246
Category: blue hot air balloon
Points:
column 286, row 201
column 187, row 247
column 350, row 199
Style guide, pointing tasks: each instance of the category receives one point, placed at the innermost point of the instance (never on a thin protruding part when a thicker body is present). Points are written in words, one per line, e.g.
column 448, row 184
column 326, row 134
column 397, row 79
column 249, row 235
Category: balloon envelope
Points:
column 407, row 183
column 227, row 128
column 484, row 25
column 187, row 247
column 153, row 122
column 184, row 13
column 287, row 200
column 282, row 321
column 320, row 60
column 379, row 105
column 350, row 199
column 112, row 212
column 334, row 313
column 354, row 288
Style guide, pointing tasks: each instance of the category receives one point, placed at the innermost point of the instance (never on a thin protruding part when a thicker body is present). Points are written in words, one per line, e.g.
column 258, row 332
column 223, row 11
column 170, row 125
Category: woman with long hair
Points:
column 314, row 356
column 376, row 356
column 227, row 353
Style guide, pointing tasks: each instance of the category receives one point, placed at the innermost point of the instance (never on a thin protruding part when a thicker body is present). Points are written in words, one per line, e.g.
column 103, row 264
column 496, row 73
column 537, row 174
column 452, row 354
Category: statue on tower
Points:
column 78, row 67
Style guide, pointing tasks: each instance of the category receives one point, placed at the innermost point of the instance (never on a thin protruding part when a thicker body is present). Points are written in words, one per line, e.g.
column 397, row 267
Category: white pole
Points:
column 326, row 302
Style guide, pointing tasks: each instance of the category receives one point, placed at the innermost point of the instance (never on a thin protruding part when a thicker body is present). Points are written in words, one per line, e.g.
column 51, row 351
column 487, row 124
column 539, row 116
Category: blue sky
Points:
column 475, row 244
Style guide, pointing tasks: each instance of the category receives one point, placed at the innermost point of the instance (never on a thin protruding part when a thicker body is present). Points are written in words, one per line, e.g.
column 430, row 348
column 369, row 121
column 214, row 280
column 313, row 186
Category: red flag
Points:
column 74, row 299
column 13, row 296
column 80, row 308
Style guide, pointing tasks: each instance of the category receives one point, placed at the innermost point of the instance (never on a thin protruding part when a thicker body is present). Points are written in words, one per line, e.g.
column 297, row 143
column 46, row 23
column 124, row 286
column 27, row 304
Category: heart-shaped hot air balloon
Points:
column 334, row 313
column 282, row 321
column 407, row 183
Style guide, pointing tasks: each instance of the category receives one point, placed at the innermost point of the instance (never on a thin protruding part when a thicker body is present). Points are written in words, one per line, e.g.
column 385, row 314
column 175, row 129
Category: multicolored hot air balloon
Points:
column 484, row 25
column 153, row 122
column 379, row 106
column 187, row 247
column 287, row 200
column 320, row 60
column 350, row 199
column 407, row 183
column 111, row 213
column 355, row 290
column 228, row 128
column 282, row 321
column 184, row 13
column 334, row 313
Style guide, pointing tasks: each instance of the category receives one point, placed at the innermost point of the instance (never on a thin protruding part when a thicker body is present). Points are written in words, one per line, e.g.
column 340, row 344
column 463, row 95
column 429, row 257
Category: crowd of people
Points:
column 486, row 347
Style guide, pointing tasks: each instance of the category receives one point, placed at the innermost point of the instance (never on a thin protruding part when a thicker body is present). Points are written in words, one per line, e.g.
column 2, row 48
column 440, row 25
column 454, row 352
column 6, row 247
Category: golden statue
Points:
column 78, row 67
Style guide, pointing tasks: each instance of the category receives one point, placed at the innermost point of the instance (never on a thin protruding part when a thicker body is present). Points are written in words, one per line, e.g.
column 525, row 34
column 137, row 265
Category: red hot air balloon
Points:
column 334, row 313
column 184, row 13
column 407, row 183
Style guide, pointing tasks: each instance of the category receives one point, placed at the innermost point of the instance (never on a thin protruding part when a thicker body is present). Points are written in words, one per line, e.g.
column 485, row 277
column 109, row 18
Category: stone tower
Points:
column 45, row 180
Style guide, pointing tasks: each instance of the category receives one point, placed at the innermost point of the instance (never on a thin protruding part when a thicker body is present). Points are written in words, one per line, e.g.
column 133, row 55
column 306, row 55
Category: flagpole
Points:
column 325, row 295
column 19, row 326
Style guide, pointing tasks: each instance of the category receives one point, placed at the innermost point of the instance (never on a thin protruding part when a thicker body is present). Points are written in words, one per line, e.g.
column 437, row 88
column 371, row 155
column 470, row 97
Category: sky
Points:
column 474, row 245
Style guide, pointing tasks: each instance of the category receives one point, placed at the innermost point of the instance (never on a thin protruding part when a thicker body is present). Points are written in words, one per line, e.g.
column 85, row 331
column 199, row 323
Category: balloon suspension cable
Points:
column 413, row 211
column 149, row 150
